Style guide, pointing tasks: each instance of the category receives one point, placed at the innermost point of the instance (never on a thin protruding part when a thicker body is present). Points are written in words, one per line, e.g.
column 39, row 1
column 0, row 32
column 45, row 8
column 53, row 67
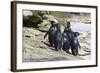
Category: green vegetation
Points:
column 61, row 14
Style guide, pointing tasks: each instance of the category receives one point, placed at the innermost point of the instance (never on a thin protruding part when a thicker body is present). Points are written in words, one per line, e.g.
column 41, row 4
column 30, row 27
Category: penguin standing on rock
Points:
column 51, row 32
column 67, row 36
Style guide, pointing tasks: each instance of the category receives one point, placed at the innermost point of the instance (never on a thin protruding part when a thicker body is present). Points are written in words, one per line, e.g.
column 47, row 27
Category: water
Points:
column 81, row 26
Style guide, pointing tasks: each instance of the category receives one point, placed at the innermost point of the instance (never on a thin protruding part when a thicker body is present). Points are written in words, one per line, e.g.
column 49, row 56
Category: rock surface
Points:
column 36, row 49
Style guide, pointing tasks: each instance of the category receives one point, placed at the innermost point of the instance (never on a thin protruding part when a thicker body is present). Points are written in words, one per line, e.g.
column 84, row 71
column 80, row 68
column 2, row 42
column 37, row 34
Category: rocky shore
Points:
column 36, row 49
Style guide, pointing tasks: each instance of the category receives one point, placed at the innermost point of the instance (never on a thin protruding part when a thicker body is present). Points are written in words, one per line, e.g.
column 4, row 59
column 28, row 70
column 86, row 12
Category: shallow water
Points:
column 81, row 26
